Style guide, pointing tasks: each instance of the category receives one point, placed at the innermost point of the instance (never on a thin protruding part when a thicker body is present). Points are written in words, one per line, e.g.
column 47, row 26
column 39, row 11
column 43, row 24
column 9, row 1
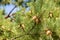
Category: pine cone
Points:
column 48, row 32
column 34, row 17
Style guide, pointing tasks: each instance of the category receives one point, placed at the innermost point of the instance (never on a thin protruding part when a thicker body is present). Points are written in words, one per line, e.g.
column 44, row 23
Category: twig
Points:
column 10, row 12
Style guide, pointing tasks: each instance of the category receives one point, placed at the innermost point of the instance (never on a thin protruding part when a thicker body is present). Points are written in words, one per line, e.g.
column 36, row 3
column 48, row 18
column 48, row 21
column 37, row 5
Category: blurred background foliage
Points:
column 41, row 22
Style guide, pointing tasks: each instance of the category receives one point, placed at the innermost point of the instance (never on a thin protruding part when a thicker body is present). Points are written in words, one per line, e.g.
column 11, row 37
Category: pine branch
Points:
column 18, row 37
column 23, row 35
column 32, row 28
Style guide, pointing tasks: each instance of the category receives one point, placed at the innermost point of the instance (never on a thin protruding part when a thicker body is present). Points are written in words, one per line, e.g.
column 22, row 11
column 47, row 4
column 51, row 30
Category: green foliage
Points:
column 44, row 16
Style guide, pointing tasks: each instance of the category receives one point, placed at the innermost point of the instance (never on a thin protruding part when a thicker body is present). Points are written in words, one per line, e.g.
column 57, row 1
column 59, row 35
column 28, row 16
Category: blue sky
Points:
column 9, row 7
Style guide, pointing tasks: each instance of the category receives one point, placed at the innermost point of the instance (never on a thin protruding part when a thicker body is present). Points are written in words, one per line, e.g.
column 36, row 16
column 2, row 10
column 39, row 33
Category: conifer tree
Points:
column 41, row 22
